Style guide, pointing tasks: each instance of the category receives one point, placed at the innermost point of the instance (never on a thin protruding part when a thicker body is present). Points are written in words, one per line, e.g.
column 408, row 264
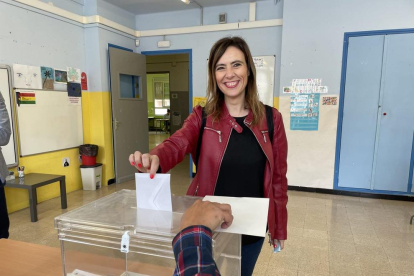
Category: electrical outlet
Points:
column 66, row 162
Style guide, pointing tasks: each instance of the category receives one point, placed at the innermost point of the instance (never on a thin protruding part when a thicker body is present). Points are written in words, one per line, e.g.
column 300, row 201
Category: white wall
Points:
column 262, row 41
column 30, row 37
column 75, row 6
column 313, row 33
column 312, row 45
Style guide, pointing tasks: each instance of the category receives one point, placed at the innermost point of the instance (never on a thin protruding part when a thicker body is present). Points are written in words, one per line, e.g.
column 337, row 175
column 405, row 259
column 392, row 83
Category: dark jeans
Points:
column 4, row 216
column 249, row 256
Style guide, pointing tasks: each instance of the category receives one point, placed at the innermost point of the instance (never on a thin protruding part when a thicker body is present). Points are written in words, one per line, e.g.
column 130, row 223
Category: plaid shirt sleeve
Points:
column 193, row 252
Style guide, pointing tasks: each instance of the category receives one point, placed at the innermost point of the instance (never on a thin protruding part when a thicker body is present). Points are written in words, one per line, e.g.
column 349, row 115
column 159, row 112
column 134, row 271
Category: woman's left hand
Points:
column 282, row 243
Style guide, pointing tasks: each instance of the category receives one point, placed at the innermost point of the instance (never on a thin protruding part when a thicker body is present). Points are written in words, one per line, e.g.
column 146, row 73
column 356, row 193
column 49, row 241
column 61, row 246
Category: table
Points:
column 164, row 123
column 32, row 181
column 21, row 258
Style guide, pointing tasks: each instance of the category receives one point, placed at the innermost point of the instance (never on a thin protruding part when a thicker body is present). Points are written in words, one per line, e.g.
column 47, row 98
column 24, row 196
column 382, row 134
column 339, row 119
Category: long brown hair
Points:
column 215, row 97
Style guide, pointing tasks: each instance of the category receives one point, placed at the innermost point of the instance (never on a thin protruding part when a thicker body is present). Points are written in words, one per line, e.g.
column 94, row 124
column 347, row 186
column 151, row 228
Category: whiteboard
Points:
column 265, row 77
column 52, row 123
column 9, row 151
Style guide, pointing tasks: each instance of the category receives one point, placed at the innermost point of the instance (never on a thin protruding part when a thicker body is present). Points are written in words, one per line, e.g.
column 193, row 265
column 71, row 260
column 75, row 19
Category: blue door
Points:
column 363, row 81
column 376, row 150
column 396, row 116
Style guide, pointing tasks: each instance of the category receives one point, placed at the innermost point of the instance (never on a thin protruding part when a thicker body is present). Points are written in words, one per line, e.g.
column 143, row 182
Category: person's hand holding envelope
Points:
column 154, row 207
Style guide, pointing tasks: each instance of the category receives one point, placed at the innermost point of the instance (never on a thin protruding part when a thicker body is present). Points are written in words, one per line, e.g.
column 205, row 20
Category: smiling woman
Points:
column 231, row 69
column 230, row 139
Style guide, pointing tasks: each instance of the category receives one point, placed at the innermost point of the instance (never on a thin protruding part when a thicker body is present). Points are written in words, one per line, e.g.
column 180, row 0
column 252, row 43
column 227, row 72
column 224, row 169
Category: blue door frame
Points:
column 341, row 110
column 190, row 78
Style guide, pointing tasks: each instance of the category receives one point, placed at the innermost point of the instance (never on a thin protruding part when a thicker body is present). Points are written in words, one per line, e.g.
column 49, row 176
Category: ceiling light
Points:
column 186, row 1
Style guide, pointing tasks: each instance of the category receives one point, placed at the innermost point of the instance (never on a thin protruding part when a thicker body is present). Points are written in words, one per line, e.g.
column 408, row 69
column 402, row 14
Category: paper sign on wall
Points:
column 329, row 100
column 61, row 76
column 48, row 78
column 84, row 81
column 304, row 112
column 74, row 75
column 27, row 76
column 305, row 86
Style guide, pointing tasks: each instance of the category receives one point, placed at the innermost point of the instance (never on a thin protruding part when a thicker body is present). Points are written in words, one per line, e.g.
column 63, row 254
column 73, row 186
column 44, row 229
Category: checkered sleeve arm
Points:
column 193, row 252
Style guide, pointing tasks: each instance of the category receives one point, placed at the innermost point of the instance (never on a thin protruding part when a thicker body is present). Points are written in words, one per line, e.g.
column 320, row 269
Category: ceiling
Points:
column 155, row 6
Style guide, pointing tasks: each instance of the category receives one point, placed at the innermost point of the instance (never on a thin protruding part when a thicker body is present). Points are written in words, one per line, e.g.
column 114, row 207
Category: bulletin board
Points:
column 9, row 151
column 265, row 78
column 48, row 121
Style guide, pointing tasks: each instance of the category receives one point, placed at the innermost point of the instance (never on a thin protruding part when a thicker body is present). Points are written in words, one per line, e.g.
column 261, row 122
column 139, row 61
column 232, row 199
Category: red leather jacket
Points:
column 215, row 139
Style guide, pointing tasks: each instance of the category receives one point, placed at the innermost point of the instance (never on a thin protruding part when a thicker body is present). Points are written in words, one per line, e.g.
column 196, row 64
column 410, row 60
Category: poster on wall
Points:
column 306, row 86
column 176, row 118
column 265, row 76
column 329, row 100
column 48, row 77
column 25, row 76
column 304, row 112
column 73, row 74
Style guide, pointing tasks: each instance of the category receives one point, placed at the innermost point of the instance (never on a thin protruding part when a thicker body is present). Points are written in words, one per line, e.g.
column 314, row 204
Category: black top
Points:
column 242, row 169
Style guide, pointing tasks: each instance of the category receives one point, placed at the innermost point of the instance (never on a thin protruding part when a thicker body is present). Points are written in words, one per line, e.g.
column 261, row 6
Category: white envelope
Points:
column 250, row 214
column 153, row 194
column 154, row 220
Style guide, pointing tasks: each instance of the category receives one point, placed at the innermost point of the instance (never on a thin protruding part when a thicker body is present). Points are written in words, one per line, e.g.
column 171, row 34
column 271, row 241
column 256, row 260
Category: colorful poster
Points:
column 48, row 78
column 27, row 97
column 329, row 100
column 84, row 81
column 61, row 76
column 74, row 89
column 304, row 112
column 27, row 76
column 74, row 75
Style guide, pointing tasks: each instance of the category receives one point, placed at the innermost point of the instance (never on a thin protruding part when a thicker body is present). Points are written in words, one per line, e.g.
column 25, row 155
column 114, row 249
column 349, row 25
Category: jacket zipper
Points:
column 218, row 132
column 218, row 173
column 195, row 193
column 264, row 135
column 271, row 175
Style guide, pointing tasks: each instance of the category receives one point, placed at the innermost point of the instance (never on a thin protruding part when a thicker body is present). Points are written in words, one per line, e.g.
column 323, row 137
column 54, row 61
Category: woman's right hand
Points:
column 145, row 163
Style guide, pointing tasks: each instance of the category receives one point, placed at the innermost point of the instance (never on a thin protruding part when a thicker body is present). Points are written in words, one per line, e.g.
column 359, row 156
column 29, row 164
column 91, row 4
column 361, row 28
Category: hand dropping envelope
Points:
column 154, row 195
column 250, row 214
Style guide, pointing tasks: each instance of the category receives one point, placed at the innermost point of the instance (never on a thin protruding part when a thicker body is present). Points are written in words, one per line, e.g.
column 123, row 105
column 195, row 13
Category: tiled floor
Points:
column 327, row 234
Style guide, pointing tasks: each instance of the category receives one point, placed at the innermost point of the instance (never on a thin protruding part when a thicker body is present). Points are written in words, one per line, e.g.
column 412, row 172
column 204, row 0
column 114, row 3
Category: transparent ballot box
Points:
column 111, row 237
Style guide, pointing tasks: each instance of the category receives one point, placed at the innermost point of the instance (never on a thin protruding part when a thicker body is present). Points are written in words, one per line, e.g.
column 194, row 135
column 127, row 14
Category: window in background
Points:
column 130, row 87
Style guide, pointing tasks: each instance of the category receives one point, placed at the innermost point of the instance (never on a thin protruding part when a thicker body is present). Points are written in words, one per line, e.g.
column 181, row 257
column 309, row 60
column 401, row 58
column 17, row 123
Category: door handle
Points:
column 117, row 123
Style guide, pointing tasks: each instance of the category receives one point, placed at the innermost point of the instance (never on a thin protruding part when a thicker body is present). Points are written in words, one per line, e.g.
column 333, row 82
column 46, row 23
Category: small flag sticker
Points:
column 27, row 98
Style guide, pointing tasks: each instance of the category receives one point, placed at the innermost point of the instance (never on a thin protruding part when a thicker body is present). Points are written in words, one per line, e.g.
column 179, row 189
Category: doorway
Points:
column 128, row 82
column 375, row 144
column 158, row 99
column 169, row 86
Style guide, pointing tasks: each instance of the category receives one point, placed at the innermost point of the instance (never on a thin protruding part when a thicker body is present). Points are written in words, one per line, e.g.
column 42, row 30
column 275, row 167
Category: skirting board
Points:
column 350, row 193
